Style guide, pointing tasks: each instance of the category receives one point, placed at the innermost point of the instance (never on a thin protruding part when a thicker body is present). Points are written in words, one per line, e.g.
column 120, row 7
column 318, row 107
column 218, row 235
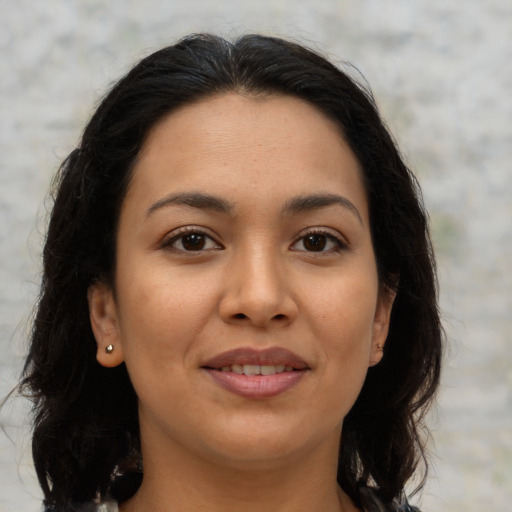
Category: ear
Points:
column 105, row 325
column 381, row 324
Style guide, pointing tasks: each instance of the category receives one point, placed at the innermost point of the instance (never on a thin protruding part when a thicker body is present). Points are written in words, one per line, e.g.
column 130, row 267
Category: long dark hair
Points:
column 86, row 437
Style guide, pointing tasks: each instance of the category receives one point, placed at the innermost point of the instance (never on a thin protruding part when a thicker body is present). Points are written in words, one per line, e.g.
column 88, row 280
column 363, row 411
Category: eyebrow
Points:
column 307, row 203
column 193, row 199
column 295, row 205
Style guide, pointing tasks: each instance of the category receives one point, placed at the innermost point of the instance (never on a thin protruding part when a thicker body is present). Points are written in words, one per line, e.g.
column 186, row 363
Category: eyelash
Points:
column 187, row 231
column 340, row 244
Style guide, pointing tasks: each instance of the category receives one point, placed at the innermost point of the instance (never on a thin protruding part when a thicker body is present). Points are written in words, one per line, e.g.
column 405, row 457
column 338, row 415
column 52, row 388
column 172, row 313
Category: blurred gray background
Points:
column 441, row 71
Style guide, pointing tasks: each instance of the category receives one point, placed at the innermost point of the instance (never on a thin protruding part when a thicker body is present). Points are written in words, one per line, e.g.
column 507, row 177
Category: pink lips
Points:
column 256, row 386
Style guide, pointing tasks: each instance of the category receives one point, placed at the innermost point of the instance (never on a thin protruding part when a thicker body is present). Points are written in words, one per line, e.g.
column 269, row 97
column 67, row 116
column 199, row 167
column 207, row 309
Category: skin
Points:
column 255, row 283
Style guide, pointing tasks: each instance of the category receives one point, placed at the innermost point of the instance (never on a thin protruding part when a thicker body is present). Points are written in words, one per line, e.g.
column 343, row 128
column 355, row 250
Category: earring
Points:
column 109, row 349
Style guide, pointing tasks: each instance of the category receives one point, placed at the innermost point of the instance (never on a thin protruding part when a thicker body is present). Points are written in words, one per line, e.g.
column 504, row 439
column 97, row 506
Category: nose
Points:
column 258, row 291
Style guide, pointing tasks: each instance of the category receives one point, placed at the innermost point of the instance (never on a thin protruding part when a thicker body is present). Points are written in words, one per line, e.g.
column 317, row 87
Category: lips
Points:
column 256, row 373
column 256, row 369
column 247, row 356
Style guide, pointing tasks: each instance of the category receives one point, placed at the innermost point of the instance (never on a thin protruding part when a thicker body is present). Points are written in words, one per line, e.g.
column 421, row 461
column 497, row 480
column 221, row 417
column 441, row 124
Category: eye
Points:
column 318, row 242
column 191, row 240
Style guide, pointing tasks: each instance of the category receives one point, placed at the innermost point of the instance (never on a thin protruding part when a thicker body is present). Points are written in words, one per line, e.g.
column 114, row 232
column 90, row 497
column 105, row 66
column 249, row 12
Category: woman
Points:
column 238, row 306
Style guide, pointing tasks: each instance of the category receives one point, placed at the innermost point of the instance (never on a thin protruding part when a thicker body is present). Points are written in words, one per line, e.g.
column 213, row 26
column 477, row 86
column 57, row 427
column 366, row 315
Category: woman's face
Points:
column 247, row 306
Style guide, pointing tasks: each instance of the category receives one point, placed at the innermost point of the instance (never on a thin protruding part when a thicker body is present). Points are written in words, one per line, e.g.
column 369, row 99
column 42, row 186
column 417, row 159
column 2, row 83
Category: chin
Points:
column 264, row 445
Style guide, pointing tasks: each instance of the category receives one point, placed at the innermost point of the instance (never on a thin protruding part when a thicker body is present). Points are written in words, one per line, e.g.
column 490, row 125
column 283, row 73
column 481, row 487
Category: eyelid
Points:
column 330, row 233
column 180, row 232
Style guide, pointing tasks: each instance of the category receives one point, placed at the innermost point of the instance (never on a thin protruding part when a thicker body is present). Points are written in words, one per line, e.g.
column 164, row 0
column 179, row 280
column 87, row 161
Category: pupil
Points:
column 193, row 242
column 314, row 242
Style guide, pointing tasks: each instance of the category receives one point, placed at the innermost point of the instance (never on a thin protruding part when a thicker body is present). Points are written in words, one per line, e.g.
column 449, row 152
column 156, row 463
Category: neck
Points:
column 177, row 481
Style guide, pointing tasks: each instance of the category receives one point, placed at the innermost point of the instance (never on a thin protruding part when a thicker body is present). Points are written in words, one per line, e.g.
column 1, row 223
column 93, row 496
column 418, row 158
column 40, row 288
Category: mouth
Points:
column 256, row 373
column 256, row 369
column 249, row 361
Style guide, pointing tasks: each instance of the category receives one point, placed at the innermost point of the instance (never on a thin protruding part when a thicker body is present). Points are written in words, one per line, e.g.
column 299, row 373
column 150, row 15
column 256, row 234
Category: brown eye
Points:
column 315, row 242
column 193, row 242
column 321, row 242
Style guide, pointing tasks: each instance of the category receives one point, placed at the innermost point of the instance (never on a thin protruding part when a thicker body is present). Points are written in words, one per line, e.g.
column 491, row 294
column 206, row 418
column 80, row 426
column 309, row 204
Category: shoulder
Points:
column 91, row 506
column 407, row 508
column 372, row 503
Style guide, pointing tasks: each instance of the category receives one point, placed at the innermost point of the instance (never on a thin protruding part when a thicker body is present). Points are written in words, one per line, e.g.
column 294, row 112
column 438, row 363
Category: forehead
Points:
column 242, row 116
column 246, row 146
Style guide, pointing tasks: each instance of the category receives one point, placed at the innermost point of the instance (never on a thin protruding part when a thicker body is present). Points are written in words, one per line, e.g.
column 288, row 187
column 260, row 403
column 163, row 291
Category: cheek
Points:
column 343, row 309
column 161, row 313
column 342, row 313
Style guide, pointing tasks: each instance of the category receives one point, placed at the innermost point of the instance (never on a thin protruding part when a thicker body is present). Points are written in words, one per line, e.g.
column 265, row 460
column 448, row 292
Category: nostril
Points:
column 240, row 316
column 279, row 317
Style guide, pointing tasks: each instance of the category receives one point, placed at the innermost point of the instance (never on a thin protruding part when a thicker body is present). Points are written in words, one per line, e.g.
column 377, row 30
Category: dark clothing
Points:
column 375, row 505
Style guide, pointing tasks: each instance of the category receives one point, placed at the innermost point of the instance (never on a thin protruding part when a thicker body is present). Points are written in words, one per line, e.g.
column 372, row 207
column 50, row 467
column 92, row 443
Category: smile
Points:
column 256, row 373
column 256, row 369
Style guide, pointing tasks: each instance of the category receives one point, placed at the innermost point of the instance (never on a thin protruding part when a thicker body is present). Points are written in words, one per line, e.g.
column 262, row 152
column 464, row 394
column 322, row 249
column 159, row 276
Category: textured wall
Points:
column 442, row 74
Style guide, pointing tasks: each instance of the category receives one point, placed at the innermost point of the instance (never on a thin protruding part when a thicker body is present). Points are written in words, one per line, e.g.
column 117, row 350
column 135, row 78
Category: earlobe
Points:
column 104, row 324
column 381, row 324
